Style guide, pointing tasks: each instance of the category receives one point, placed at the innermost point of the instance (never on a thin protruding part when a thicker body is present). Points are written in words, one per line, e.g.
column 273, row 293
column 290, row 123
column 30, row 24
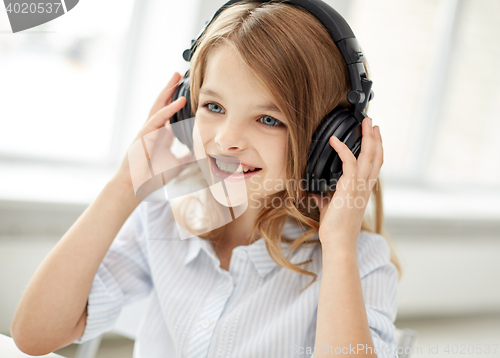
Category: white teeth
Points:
column 232, row 167
column 228, row 167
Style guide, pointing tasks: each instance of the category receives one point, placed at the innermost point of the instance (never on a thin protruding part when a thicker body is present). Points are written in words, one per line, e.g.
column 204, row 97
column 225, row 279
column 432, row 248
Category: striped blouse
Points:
column 197, row 309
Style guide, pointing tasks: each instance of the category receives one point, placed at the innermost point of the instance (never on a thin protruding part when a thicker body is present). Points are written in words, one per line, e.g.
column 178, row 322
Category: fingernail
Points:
column 336, row 139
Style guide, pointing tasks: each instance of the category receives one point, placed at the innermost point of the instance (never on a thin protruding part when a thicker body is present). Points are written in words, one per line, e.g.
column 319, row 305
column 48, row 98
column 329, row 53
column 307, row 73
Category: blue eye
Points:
column 269, row 121
column 211, row 107
column 273, row 120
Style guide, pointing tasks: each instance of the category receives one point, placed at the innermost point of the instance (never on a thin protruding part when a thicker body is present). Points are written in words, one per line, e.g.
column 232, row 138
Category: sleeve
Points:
column 123, row 277
column 379, row 281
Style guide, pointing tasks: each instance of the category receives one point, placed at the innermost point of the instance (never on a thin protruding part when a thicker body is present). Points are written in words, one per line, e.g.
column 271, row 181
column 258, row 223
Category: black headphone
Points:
column 324, row 166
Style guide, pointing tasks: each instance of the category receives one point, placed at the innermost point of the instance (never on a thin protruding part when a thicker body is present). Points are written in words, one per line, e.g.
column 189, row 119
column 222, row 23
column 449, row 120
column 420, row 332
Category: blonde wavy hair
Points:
column 291, row 53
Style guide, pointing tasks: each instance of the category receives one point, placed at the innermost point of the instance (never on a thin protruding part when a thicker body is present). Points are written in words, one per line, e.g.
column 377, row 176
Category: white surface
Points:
column 441, row 203
column 448, row 276
column 456, row 337
column 44, row 183
column 8, row 349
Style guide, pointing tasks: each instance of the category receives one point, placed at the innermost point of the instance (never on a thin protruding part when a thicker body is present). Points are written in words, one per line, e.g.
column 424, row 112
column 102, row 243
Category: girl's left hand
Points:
column 341, row 219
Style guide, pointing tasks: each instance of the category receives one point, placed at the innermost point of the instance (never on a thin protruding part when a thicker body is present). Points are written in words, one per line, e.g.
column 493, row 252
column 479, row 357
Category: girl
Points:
column 262, row 78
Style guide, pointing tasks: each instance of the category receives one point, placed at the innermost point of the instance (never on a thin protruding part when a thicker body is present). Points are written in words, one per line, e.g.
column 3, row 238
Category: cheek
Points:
column 198, row 141
column 204, row 129
column 278, row 159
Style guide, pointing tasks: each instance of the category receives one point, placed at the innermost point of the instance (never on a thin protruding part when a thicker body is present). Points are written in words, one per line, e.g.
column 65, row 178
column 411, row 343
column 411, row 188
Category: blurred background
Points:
column 75, row 91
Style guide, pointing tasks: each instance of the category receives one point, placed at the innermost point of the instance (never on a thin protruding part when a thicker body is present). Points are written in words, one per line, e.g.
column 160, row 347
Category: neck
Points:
column 239, row 231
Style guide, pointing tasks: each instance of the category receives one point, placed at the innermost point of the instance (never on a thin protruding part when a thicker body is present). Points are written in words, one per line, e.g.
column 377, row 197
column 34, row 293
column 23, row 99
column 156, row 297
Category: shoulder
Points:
column 155, row 218
column 373, row 251
column 371, row 241
column 154, row 209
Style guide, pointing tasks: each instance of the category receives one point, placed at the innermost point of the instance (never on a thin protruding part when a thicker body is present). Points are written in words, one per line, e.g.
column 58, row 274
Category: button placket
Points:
column 205, row 327
column 214, row 302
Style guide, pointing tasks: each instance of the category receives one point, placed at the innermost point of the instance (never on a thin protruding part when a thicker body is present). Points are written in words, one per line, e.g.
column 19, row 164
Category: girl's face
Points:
column 237, row 118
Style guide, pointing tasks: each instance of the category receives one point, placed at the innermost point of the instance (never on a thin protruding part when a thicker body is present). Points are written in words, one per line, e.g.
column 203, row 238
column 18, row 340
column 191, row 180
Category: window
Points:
column 60, row 84
column 435, row 83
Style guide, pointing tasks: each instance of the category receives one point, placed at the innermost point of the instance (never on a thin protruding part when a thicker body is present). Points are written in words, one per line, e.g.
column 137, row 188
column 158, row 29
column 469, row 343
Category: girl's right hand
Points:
column 160, row 140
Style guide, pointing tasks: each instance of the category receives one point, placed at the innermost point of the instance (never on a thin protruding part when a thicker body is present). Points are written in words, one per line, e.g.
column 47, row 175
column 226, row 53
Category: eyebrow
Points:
column 266, row 107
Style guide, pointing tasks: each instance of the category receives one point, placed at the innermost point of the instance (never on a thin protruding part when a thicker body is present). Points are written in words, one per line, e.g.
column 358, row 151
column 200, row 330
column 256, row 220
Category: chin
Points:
column 237, row 195
column 238, row 203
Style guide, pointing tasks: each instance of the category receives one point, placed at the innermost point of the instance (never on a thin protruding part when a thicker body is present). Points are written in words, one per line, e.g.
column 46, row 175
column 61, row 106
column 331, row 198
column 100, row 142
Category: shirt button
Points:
column 242, row 255
column 205, row 324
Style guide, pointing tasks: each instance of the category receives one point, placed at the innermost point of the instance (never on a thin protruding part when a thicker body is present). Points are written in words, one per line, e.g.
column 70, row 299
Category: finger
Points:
column 379, row 155
column 349, row 165
column 367, row 154
column 166, row 94
column 162, row 117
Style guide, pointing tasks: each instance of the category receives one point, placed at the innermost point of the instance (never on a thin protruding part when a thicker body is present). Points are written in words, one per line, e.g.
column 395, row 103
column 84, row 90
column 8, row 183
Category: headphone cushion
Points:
column 329, row 164
column 183, row 129
column 323, row 133
column 324, row 164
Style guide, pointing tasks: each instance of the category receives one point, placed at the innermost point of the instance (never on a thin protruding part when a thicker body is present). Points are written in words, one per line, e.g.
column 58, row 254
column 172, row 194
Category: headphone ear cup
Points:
column 324, row 166
column 352, row 140
column 183, row 119
column 323, row 133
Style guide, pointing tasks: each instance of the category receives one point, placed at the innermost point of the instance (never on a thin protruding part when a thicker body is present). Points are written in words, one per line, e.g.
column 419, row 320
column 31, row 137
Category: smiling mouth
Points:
column 223, row 174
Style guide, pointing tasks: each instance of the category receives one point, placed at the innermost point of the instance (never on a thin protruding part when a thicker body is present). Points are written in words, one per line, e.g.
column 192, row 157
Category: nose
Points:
column 230, row 135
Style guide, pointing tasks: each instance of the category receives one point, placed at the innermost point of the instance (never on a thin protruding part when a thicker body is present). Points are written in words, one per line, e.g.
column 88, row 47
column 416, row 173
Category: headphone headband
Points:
column 342, row 35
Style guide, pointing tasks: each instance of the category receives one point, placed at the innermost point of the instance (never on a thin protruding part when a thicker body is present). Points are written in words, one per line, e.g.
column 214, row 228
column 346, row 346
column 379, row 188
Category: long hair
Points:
column 292, row 55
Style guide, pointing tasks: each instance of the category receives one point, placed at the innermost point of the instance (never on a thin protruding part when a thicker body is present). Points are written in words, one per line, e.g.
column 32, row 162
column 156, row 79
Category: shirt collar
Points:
column 257, row 250
column 194, row 248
